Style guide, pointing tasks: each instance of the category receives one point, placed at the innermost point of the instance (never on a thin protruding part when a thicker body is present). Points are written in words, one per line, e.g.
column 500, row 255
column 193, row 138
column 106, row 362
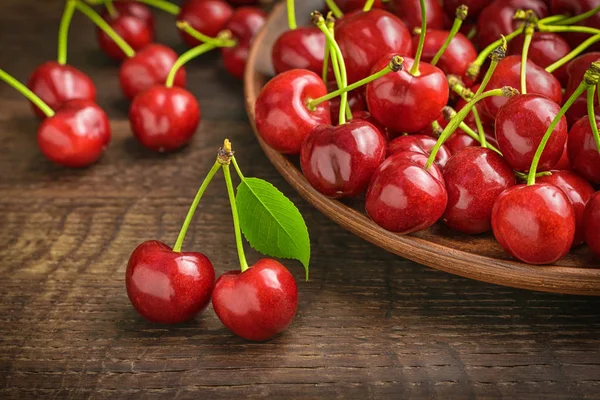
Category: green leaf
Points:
column 271, row 222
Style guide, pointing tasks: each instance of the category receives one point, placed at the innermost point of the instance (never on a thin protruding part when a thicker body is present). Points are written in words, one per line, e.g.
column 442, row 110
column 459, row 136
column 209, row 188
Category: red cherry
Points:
column 76, row 136
column 366, row 116
column 168, row 287
column 244, row 25
column 256, row 304
column 301, row 48
column 409, row 11
column 348, row 6
column 545, row 49
column 576, row 7
column 535, row 224
column 206, row 16
column 564, row 164
column 577, row 190
column 520, row 126
column 497, row 18
column 457, row 57
column 339, row 161
column 474, row 178
column 243, row 2
column 404, row 102
column 591, row 219
column 56, row 84
column 133, row 30
column 366, row 38
column 147, row 68
column 164, row 119
column 475, row 7
column 575, row 70
column 134, row 9
column 583, row 151
column 282, row 116
column 403, row 197
column 508, row 73
column 459, row 141
column 419, row 143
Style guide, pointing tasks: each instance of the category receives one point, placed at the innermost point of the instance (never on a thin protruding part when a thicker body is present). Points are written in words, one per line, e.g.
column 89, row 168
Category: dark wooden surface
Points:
column 369, row 324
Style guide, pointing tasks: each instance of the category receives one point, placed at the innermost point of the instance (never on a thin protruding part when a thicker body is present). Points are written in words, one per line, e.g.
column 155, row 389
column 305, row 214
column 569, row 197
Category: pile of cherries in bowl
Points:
column 479, row 115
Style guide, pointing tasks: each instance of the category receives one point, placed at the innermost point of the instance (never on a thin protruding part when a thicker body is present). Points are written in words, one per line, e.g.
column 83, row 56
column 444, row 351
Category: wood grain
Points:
column 477, row 257
column 370, row 324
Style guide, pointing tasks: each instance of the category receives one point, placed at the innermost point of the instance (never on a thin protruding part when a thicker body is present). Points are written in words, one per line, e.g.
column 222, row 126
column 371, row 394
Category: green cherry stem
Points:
column 461, row 14
column 572, row 28
column 574, row 19
column 573, row 53
column 165, row 6
column 553, row 19
column 25, row 91
column 330, row 24
column 368, row 5
column 495, row 57
column 190, row 215
column 110, row 8
column 291, row 15
column 237, row 168
column 524, row 53
column 63, row 31
column 591, row 91
column 185, row 58
column 101, row 23
column 334, row 8
column 414, row 70
column 223, row 39
column 395, row 65
column 449, row 113
column 457, row 86
column 475, row 66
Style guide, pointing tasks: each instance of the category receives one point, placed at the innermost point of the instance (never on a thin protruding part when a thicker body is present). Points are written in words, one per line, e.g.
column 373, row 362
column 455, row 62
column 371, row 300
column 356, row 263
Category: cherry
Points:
column 497, row 18
column 575, row 71
column 348, row 6
column 535, row 224
column 166, row 286
column 576, row 7
column 405, row 102
column 282, row 115
column 339, row 161
column 544, row 50
column 366, row 38
column 418, row 143
column 564, row 164
column 475, row 7
column 366, row 116
column 457, row 57
column 300, row 48
column 459, row 141
column 577, row 190
column 583, row 151
column 243, row 2
column 591, row 220
column 147, row 68
column 356, row 100
column 244, row 24
column 474, row 178
column 403, row 196
column 258, row 303
column 508, row 73
column 520, row 126
column 56, row 84
column 133, row 9
column 136, row 32
column 206, row 16
column 164, row 118
column 409, row 11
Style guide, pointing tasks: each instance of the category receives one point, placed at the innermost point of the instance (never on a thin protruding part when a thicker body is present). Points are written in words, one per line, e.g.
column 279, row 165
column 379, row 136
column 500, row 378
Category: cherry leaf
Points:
column 271, row 222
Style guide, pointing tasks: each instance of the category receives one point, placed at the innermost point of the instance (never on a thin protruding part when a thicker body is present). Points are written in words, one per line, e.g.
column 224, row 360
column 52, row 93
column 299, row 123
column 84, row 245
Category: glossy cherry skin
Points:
column 56, row 84
column 474, row 178
column 133, row 9
column 457, row 57
column 206, row 16
column 534, row 224
column 575, row 71
column 353, row 5
column 168, row 287
column 76, row 136
column 576, row 7
column 591, row 219
column 339, row 161
column 497, row 18
column 147, row 68
column 244, row 24
column 545, row 49
column 403, row 197
column 301, row 48
column 409, row 11
column 365, row 38
column 282, row 116
column 258, row 303
column 508, row 73
column 583, row 152
column 164, row 119
column 577, row 190
column 564, row 164
column 520, row 126
column 407, row 103
column 419, row 143
column 133, row 30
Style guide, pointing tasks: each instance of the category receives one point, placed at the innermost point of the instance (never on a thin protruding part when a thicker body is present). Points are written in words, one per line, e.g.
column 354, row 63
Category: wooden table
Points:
column 369, row 324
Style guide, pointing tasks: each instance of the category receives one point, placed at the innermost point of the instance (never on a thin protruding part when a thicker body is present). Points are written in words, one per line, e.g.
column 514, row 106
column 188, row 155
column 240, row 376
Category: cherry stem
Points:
column 291, row 14
column 472, row 33
column 368, row 5
column 414, row 70
column 63, row 31
column 454, row 123
column 457, row 86
column 473, row 70
column 395, row 65
column 103, row 25
column 449, row 113
column 237, row 168
column 591, row 91
column 480, row 130
column 222, row 40
column 526, row 43
column 110, row 8
column 185, row 58
column 330, row 24
column 560, row 29
column 523, row 176
column 194, row 206
column 495, row 57
column 334, row 8
column 572, row 54
column 165, row 6
column 553, row 19
column 575, row 18
column 461, row 14
column 25, row 91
